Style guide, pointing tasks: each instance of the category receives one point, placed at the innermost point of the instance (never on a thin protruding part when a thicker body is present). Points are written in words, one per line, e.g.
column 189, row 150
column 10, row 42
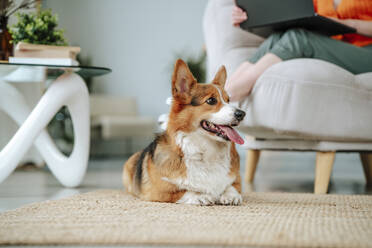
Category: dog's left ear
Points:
column 220, row 78
column 182, row 81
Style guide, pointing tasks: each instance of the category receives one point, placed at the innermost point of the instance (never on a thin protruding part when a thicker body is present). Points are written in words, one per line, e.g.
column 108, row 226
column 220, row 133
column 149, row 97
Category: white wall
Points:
column 137, row 39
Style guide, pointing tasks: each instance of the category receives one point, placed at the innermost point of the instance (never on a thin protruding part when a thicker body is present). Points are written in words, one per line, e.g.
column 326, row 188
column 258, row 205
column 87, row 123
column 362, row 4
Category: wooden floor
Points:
column 276, row 171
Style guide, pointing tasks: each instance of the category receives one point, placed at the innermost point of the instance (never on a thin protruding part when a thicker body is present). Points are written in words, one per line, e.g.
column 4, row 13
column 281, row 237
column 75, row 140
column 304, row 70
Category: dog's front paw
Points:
column 230, row 197
column 197, row 199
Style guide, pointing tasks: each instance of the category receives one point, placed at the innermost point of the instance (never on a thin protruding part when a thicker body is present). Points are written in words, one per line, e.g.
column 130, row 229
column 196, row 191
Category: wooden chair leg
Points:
column 366, row 159
column 251, row 164
column 323, row 171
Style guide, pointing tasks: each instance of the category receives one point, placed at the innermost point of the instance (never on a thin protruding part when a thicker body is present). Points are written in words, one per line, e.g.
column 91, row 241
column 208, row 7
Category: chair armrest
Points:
column 223, row 40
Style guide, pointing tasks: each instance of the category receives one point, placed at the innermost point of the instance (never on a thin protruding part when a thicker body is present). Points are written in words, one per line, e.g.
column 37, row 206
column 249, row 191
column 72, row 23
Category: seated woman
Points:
column 352, row 52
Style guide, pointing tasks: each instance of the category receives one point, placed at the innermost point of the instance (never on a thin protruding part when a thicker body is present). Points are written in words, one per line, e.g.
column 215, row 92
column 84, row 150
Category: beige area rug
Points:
column 264, row 220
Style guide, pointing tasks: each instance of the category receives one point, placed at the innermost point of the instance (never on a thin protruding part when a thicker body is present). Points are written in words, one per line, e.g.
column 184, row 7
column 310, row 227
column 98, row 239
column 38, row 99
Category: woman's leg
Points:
column 299, row 43
column 243, row 79
column 236, row 77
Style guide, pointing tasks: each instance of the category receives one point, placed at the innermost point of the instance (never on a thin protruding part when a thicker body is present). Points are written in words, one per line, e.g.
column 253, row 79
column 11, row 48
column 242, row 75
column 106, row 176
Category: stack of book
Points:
column 25, row 53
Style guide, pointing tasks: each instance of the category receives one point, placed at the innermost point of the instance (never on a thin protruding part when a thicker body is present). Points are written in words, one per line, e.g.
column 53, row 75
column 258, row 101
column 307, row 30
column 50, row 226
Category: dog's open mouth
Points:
column 224, row 131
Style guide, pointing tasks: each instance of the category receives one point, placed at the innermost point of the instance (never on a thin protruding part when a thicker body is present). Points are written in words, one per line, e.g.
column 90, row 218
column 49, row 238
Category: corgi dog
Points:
column 194, row 161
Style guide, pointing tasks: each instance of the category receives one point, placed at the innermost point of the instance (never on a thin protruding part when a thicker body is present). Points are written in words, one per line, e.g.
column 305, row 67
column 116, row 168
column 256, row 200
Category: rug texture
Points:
column 264, row 220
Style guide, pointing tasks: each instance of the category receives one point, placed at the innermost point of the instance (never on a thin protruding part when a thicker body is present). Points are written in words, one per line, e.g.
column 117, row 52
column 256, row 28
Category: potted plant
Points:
column 39, row 28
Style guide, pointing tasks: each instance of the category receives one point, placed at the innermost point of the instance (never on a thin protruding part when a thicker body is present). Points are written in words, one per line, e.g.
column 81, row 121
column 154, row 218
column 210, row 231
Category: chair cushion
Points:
column 311, row 99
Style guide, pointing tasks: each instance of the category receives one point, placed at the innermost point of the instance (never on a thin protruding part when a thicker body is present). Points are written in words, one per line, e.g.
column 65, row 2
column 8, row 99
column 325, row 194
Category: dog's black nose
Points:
column 239, row 114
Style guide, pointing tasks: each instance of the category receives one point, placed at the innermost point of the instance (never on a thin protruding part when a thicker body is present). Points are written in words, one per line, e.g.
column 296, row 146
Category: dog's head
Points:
column 203, row 107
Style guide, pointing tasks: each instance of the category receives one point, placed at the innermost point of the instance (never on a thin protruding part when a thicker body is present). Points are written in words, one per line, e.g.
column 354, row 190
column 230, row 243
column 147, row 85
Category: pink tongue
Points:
column 232, row 134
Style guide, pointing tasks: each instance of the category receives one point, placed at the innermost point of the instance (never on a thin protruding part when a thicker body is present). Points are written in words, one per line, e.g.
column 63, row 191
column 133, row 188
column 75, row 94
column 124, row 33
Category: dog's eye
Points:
column 211, row 101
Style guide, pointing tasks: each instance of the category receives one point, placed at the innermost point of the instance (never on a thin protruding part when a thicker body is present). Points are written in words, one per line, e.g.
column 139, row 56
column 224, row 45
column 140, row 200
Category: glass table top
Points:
column 57, row 70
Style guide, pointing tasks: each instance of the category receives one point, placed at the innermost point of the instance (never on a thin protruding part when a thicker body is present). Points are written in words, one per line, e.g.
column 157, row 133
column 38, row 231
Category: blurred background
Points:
column 138, row 40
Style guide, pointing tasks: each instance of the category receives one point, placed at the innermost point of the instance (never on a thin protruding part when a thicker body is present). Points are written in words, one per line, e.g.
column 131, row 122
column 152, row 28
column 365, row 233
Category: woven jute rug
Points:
column 264, row 220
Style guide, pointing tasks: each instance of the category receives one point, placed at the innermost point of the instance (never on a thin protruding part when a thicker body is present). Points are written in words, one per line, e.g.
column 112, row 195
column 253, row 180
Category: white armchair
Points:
column 302, row 104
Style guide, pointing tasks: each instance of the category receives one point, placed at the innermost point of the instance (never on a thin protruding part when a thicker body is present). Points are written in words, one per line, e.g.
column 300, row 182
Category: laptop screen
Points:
column 263, row 12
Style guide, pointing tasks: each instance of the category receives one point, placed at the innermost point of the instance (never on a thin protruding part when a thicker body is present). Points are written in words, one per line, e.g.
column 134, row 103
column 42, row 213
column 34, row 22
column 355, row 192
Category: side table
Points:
column 66, row 89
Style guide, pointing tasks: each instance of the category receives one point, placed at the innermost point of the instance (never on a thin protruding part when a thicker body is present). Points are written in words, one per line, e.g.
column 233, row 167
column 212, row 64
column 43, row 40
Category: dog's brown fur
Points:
column 144, row 171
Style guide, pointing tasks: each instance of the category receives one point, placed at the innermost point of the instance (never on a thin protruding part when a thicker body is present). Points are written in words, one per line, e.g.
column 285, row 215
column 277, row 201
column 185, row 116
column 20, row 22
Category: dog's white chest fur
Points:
column 208, row 164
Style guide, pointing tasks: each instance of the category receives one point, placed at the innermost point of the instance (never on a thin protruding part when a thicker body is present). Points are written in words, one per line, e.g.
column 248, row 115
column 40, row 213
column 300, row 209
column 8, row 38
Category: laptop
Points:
column 268, row 16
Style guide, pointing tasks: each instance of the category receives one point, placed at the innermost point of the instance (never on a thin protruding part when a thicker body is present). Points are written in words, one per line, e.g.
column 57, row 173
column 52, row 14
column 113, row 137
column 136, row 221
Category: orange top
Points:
column 347, row 9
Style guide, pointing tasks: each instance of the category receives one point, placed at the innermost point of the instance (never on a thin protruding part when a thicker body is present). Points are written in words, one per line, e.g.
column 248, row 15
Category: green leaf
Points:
column 38, row 28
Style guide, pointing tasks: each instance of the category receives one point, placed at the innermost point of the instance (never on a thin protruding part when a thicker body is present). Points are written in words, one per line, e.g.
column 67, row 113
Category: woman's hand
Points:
column 362, row 27
column 238, row 16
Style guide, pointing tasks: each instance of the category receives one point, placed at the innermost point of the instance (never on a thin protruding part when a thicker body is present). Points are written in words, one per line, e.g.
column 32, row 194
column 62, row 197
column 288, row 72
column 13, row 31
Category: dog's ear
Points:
column 182, row 81
column 220, row 78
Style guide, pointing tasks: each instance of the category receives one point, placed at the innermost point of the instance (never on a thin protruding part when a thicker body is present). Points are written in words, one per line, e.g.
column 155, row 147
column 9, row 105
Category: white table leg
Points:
column 68, row 90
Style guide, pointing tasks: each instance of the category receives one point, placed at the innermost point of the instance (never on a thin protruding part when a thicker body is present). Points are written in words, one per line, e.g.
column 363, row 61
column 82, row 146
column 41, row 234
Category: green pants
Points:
column 300, row 43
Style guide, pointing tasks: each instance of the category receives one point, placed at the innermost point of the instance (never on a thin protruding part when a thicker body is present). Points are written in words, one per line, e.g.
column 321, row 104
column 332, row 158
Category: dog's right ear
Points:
column 182, row 81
